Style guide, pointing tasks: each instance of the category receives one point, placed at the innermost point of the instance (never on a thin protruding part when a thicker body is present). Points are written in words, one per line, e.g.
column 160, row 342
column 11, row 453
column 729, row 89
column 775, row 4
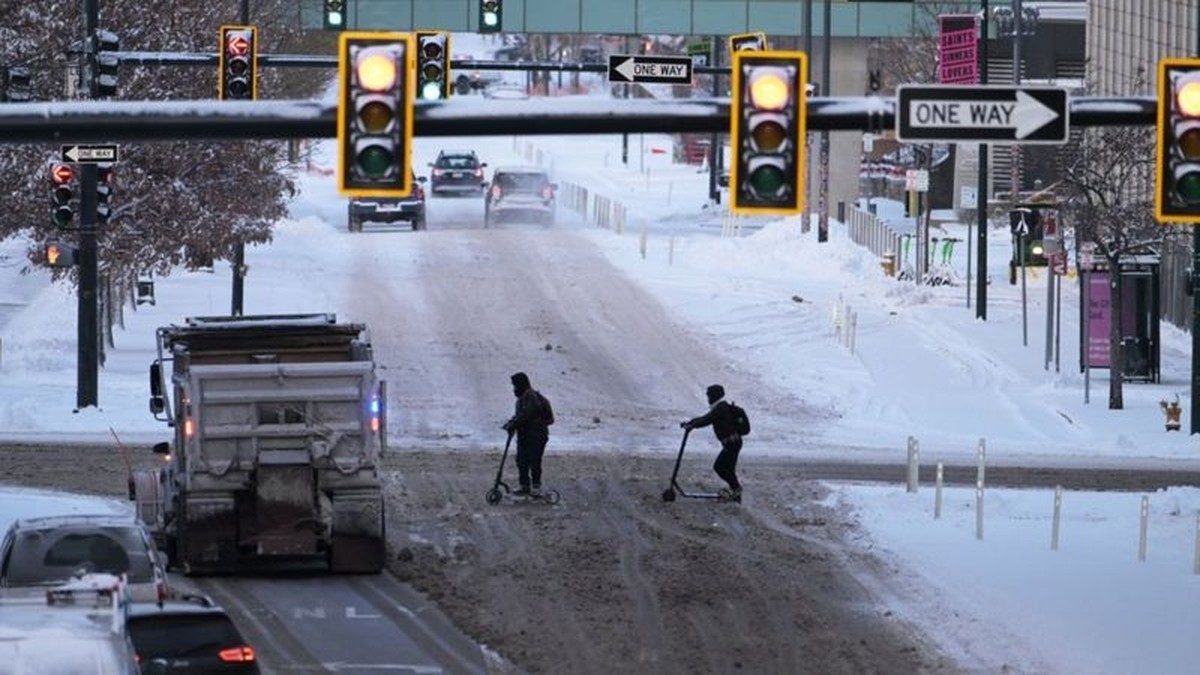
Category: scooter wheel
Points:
column 494, row 496
column 724, row 495
column 668, row 495
column 551, row 497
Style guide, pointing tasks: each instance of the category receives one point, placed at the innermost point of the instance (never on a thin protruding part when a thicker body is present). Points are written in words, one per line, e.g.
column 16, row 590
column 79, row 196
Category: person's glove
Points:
column 687, row 426
column 507, row 426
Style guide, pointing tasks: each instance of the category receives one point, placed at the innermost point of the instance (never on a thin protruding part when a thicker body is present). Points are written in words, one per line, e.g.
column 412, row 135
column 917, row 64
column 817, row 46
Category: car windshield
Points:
column 165, row 635
column 456, row 162
column 522, row 182
column 50, row 556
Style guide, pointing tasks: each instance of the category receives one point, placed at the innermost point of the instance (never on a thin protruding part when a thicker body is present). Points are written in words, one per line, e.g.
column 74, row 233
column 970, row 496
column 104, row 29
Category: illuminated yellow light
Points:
column 188, row 429
column 376, row 70
column 1189, row 98
column 769, row 90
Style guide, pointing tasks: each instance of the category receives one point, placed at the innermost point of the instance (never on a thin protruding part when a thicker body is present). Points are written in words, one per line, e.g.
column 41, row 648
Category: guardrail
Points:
column 869, row 230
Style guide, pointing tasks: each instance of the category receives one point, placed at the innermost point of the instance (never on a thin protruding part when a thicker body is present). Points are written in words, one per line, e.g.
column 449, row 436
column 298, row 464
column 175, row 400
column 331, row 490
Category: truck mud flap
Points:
column 207, row 537
column 285, row 510
column 358, row 532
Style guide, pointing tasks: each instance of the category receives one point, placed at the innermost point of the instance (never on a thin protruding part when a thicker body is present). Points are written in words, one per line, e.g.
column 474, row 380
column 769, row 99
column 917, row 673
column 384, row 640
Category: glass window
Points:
column 166, row 635
column 522, row 182
column 50, row 556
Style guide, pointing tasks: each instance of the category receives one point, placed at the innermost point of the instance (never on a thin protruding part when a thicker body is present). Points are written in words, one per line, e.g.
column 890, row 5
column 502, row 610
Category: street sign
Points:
column 650, row 69
column 950, row 114
column 90, row 154
column 968, row 198
column 916, row 180
column 701, row 53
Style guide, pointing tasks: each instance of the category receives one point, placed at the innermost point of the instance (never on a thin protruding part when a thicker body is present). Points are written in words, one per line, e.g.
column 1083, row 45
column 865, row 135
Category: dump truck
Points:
column 279, row 423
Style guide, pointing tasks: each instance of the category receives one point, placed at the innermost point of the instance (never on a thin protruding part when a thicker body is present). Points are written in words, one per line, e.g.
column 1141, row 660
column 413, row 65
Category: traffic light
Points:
column 375, row 100
column 1026, row 225
column 491, row 17
column 767, row 131
column 748, row 42
column 1177, row 174
column 238, row 65
column 104, row 192
column 335, row 14
column 104, row 84
column 433, row 65
column 16, row 84
column 62, row 194
column 59, row 254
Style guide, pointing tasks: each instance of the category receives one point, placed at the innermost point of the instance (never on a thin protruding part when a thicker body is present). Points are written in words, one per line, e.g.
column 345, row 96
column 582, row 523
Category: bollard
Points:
column 670, row 189
column 1058, row 490
column 1145, row 521
column 937, row 499
column 671, row 251
column 981, row 456
column 853, row 330
column 642, row 241
column 914, row 453
column 979, row 511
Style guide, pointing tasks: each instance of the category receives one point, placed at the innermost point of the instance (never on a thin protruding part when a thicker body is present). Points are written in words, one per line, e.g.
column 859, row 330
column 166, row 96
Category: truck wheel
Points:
column 419, row 223
column 355, row 224
column 462, row 86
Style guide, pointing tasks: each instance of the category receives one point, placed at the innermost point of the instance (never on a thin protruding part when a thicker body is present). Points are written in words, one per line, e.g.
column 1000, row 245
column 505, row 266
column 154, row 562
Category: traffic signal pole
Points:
column 981, row 195
column 1195, row 411
column 88, row 328
column 237, row 290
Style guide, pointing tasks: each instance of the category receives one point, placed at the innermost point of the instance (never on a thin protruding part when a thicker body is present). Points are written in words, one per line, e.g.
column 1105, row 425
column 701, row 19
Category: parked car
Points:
column 457, row 172
column 188, row 634
column 39, row 553
column 410, row 209
column 523, row 194
column 77, row 627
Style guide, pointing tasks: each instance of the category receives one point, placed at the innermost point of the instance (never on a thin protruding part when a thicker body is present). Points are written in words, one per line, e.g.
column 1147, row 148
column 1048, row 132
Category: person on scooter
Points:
column 724, row 423
column 530, row 423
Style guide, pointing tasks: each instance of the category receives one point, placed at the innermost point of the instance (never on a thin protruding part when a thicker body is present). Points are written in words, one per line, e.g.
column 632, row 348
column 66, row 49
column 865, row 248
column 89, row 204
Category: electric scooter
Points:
column 500, row 489
column 668, row 495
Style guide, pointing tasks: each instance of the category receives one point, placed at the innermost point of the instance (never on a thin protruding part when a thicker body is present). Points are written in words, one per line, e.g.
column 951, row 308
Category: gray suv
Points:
column 410, row 209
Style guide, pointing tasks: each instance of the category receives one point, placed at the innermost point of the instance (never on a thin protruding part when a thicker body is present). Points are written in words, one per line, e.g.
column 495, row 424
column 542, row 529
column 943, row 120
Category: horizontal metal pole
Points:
column 319, row 61
column 107, row 121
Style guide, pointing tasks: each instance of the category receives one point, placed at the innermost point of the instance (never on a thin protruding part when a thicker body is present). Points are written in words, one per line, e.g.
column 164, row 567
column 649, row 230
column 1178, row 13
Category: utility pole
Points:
column 808, row 49
column 714, row 146
column 827, row 87
column 981, row 197
column 87, row 389
column 238, row 290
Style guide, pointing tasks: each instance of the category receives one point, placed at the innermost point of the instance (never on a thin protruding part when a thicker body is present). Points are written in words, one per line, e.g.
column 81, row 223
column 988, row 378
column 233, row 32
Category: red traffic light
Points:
column 237, row 45
column 61, row 173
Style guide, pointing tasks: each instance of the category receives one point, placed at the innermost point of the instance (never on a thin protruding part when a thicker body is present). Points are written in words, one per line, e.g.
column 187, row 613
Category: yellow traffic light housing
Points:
column 1177, row 170
column 237, row 67
column 375, row 100
column 767, row 121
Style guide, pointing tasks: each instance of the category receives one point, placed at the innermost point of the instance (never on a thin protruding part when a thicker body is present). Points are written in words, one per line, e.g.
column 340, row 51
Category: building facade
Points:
column 1126, row 38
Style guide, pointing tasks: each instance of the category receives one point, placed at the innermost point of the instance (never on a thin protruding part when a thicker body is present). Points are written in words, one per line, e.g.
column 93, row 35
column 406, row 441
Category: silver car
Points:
column 38, row 553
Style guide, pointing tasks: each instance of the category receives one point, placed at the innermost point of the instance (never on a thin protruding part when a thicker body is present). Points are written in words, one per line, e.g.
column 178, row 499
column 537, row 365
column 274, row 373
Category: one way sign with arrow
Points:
column 952, row 114
column 656, row 69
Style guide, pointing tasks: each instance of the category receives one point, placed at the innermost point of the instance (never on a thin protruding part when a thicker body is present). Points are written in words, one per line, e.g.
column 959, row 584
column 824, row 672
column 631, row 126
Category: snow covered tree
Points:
column 171, row 198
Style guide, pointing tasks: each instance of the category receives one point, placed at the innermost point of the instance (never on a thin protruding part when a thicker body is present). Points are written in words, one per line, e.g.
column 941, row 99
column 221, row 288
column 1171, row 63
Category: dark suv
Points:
column 410, row 209
column 519, row 193
column 188, row 634
column 456, row 172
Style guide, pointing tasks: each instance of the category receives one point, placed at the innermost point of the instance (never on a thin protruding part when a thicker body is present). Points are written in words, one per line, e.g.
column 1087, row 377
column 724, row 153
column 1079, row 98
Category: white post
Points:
column 642, row 241
column 1058, row 492
column 1145, row 522
column 937, row 499
column 981, row 456
column 670, row 189
column 914, row 453
column 979, row 511
column 671, row 251
column 1196, row 563
column 853, row 330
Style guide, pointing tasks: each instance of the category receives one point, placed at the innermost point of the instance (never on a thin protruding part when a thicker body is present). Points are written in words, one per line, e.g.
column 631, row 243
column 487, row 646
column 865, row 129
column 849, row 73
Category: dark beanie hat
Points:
column 715, row 393
column 520, row 380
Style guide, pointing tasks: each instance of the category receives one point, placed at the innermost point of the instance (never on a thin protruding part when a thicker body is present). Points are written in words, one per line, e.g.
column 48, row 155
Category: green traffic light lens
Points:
column 374, row 161
column 1189, row 144
column 431, row 91
column 768, row 136
column 1187, row 187
column 767, row 179
column 375, row 117
column 490, row 18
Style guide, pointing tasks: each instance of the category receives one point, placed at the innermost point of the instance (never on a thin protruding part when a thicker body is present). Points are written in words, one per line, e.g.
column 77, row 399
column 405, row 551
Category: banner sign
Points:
column 958, row 49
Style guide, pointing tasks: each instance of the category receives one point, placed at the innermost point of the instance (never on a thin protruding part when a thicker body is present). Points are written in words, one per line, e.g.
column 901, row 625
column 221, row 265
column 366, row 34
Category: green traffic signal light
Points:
column 490, row 19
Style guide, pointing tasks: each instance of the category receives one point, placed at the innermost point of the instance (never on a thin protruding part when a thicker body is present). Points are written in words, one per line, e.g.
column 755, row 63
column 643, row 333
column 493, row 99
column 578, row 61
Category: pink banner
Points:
column 1099, row 313
column 958, row 43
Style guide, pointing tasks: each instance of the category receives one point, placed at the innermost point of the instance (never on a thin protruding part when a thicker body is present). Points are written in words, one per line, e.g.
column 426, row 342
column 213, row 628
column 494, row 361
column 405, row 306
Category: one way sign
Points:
column 656, row 69
column 951, row 114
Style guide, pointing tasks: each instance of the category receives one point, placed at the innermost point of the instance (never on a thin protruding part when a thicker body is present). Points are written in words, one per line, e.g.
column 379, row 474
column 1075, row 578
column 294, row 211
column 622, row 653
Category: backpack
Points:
column 547, row 411
column 740, row 418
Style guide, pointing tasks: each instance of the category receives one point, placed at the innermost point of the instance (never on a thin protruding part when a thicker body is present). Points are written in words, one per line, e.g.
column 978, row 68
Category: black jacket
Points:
column 722, row 419
column 529, row 420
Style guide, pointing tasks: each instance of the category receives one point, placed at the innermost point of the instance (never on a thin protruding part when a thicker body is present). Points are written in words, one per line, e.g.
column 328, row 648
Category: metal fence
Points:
column 869, row 230
column 1175, row 304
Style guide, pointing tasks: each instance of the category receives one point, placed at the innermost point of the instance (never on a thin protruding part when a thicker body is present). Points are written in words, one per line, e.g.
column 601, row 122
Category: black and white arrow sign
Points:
column 950, row 114
column 89, row 154
column 650, row 69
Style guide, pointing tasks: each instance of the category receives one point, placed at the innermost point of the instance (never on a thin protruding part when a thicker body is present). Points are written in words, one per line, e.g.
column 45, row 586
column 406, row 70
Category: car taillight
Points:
column 237, row 654
column 162, row 592
column 419, row 192
column 496, row 192
column 479, row 173
column 438, row 172
column 547, row 193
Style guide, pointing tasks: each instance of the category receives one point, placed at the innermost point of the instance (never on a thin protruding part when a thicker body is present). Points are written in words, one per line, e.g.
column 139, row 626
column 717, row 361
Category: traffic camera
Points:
column 238, row 63
column 433, row 65
column 335, row 14
column 1177, row 174
column 374, row 114
column 767, row 131
column 59, row 254
column 490, row 16
column 62, row 194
